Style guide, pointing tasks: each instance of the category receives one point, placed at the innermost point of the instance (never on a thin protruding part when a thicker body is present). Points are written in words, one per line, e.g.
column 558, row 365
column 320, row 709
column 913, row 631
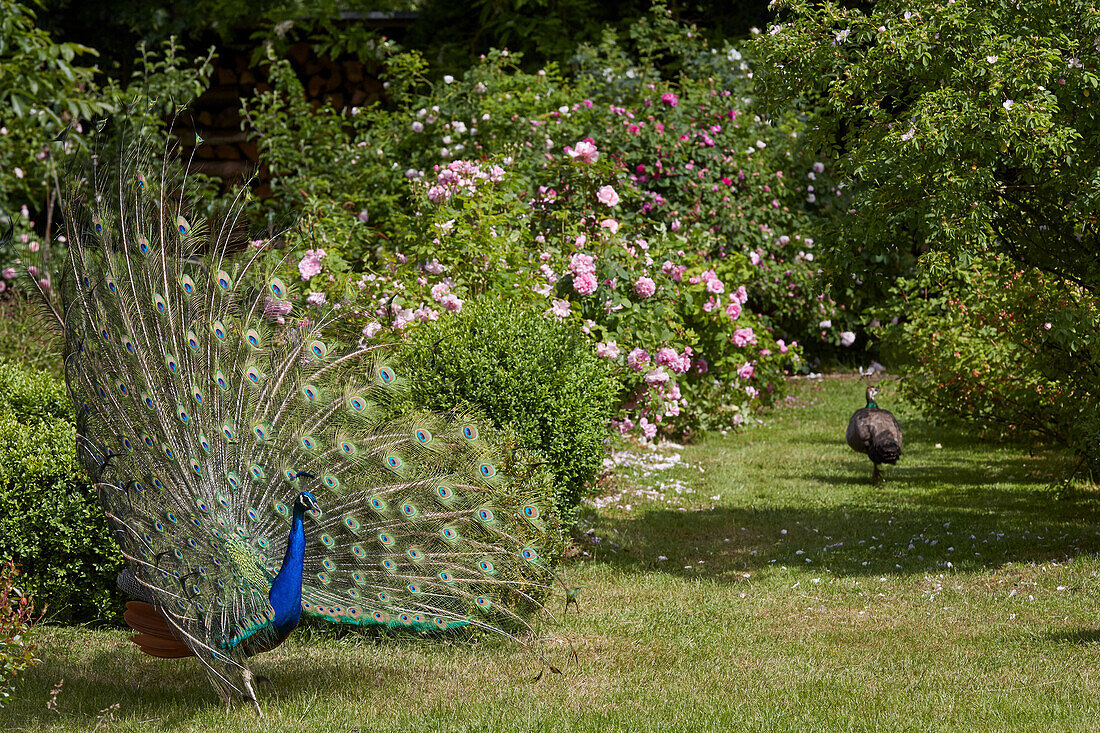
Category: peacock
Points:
column 255, row 472
column 875, row 431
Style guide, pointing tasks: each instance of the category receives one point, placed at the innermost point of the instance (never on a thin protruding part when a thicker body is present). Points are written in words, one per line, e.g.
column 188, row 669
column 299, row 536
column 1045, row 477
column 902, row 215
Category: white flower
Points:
column 825, row 324
column 909, row 135
column 1075, row 63
column 847, row 338
column 1008, row 104
column 843, row 35
column 448, row 79
column 992, row 59
column 761, row 144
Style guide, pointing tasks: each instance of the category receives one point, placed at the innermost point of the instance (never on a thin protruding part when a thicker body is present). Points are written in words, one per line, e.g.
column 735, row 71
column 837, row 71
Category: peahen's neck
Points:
column 286, row 589
column 871, row 402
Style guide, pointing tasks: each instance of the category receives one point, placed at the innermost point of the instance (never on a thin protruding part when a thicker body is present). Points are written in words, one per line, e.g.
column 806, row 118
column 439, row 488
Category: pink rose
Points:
column 439, row 290
column 582, row 264
column 310, row 265
column 610, row 350
column 658, row 376
column 746, row 371
column 275, row 310
column 733, row 310
column 585, row 283
column 667, row 356
column 9, row 273
column 611, row 225
column 371, row 328
column 451, row 302
column 607, row 196
column 670, row 99
column 583, row 152
column 644, row 287
column 743, row 337
column 637, row 359
column 560, row 309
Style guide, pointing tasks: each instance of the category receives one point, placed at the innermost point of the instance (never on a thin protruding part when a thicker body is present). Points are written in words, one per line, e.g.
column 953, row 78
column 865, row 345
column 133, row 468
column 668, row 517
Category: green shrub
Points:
column 50, row 521
column 1007, row 350
column 524, row 371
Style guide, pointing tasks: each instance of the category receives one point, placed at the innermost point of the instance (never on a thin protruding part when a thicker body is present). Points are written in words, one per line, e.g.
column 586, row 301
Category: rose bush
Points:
column 654, row 206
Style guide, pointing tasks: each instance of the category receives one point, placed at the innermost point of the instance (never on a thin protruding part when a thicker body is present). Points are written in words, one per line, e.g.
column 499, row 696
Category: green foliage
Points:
column 25, row 337
column 535, row 376
column 68, row 113
column 17, row 650
column 1005, row 350
column 960, row 125
column 42, row 88
column 50, row 520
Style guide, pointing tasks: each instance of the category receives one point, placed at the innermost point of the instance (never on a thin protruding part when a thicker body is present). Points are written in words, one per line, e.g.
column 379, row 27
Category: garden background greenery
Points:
column 611, row 225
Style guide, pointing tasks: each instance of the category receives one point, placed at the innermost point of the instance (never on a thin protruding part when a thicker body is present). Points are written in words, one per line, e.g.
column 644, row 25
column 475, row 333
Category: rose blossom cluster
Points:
column 462, row 176
column 583, row 267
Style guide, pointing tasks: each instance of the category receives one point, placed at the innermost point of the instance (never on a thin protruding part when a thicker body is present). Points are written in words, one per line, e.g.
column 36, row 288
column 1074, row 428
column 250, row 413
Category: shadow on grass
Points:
column 977, row 529
column 1081, row 637
column 972, row 510
column 147, row 689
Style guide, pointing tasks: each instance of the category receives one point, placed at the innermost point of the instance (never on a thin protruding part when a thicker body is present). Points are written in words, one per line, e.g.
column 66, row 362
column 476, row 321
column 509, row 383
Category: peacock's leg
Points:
column 250, row 694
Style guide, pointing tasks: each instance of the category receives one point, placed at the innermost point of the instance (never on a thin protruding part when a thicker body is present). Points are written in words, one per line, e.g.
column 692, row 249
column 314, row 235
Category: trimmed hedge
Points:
column 526, row 372
column 51, row 524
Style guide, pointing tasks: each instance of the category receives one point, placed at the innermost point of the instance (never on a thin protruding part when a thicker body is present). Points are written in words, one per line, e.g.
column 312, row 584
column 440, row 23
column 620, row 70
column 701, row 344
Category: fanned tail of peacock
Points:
column 248, row 471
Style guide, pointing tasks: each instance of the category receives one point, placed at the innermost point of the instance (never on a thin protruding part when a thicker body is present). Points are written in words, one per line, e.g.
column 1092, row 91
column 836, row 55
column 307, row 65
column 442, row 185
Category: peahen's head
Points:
column 307, row 502
column 872, row 390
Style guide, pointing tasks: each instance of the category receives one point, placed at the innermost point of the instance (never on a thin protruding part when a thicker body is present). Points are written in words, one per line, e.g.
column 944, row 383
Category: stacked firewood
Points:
column 228, row 150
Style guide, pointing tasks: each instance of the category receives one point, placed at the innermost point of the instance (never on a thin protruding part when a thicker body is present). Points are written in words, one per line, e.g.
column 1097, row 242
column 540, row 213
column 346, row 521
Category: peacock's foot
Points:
column 250, row 694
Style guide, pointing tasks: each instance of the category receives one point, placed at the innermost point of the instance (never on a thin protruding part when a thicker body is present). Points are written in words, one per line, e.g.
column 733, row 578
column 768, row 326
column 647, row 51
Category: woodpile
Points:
column 227, row 150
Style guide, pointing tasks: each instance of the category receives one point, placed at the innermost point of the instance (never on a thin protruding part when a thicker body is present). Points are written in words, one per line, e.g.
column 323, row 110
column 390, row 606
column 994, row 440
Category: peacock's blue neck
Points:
column 286, row 589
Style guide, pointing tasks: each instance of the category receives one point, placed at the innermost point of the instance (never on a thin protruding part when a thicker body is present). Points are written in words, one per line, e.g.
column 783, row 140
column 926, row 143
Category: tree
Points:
column 970, row 126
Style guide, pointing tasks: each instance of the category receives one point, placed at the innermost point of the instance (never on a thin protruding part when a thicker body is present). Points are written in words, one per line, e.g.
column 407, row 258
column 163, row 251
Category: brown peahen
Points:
column 251, row 468
column 875, row 431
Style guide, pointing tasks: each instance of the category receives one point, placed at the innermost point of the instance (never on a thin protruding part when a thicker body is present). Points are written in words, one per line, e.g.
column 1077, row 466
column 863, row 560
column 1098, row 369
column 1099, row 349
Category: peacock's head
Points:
column 307, row 502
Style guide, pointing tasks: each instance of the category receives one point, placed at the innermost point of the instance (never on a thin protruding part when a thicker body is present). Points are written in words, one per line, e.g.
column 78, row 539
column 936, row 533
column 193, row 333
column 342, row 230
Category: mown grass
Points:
column 792, row 595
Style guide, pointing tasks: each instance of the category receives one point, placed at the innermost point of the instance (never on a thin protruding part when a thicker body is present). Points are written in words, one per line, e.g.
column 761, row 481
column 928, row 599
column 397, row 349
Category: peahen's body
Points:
column 251, row 472
column 876, row 432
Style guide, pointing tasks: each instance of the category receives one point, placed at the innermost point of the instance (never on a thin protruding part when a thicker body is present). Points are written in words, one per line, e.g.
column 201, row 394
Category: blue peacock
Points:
column 254, row 473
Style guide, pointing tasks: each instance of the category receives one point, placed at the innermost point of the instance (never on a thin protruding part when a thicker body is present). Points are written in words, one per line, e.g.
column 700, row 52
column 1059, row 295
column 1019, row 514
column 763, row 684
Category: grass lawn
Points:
column 761, row 583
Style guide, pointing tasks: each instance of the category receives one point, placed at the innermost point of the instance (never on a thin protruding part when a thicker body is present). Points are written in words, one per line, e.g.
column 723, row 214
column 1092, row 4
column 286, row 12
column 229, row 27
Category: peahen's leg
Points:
column 876, row 475
column 250, row 694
